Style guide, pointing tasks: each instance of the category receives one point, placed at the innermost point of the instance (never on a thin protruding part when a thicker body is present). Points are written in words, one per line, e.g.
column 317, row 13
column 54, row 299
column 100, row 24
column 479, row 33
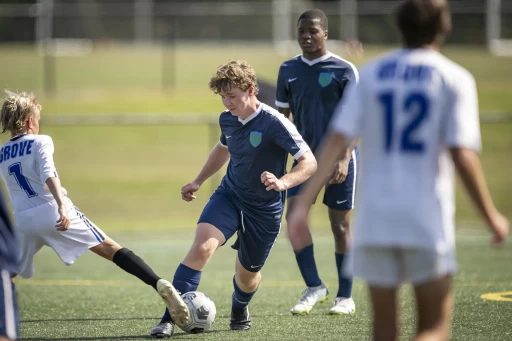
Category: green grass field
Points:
column 127, row 180
column 94, row 300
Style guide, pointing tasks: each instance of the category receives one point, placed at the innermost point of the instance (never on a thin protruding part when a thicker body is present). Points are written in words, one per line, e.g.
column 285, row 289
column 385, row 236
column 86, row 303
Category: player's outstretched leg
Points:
column 245, row 284
column 188, row 274
column 316, row 291
column 133, row 264
column 340, row 225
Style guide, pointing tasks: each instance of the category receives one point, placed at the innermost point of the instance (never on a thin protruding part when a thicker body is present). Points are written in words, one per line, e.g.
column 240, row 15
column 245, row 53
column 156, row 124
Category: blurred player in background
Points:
column 417, row 115
column 44, row 215
column 256, row 140
column 309, row 87
column 9, row 318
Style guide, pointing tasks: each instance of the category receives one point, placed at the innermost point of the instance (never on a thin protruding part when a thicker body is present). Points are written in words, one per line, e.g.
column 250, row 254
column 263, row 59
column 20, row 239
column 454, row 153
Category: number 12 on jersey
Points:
column 15, row 170
column 417, row 105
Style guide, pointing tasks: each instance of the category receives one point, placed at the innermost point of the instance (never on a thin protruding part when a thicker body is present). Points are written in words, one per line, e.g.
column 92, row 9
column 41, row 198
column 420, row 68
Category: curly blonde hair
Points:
column 16, row 110
column 235, row 74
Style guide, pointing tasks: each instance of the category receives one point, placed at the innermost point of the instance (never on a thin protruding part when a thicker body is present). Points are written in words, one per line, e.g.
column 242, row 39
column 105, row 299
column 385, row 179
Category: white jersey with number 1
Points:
column 409, row 108
column 26, row 162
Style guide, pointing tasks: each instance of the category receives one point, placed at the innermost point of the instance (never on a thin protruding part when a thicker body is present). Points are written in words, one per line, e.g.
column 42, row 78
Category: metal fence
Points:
column 475, row 21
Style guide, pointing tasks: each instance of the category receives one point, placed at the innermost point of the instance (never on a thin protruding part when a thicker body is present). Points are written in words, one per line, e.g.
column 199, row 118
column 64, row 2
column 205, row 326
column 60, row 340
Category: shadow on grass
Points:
column 180, row 335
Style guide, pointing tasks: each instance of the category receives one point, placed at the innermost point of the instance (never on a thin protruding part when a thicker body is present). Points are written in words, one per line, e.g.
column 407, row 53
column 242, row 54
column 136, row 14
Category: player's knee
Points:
column 340, row 229
column 249, row 280
column 204, row 249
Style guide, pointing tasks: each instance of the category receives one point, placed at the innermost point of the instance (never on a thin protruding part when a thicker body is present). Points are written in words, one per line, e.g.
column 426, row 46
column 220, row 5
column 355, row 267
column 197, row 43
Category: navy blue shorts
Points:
column 9, row 318
column 257, row 233
column 338, row 196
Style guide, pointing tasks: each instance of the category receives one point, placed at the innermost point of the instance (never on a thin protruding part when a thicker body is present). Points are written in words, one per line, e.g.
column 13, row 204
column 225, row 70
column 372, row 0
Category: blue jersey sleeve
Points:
column 282, row 92
column 222, row 140
column 287, row 137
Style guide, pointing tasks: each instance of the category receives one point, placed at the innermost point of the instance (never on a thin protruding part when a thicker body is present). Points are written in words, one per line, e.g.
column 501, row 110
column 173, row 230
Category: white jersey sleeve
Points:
column 44, row 159
column 349, row 114
column 463, row 125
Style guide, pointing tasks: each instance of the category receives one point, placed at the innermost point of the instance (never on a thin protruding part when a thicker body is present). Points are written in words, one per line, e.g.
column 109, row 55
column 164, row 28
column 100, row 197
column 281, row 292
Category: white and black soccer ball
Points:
column 202, row 312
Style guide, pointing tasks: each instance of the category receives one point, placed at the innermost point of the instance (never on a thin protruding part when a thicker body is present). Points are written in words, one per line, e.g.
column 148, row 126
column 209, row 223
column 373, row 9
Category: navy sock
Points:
column 306, row 261
column 240, row 298
column 185, row 279
column 345, row 283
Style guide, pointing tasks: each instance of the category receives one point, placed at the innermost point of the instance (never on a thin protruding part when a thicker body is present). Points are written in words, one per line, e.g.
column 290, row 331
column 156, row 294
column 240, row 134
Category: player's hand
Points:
column 500, row 227
column 63, row 221
column 340, row 172
column 271, row 182
column 187, row 191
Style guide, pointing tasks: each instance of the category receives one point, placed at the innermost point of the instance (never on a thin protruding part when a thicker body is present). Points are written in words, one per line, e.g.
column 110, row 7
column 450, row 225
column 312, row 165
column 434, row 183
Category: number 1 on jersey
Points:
column 415, row 102
column 15, row 170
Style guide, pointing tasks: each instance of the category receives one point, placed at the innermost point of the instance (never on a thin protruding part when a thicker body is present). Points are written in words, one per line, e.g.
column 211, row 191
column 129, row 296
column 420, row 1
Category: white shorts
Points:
column 35, row 228
column 388, row 267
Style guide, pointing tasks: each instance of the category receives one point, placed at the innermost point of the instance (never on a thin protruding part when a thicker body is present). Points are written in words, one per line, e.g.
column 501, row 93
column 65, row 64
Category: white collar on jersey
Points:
column 253, row 115
column 317, row 60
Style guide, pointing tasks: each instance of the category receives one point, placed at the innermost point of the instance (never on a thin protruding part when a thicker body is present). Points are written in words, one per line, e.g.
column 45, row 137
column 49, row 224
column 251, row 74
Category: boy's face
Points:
column 311, row 36
column 236, row 100
column 33, row 121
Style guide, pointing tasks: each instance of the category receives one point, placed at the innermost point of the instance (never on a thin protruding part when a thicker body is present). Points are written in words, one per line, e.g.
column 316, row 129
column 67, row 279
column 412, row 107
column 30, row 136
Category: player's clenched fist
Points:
column 271, row 182
column 187, row 191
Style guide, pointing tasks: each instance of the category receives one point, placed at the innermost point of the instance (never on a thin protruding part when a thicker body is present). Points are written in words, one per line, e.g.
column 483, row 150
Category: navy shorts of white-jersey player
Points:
column 309, row 87
column 256, row 140
column 46, row 216
column 416, row 113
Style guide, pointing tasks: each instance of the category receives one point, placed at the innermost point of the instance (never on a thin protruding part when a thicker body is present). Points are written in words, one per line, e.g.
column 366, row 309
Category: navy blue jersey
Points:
column 312, row 89
column 8, row 248
column 257, row 144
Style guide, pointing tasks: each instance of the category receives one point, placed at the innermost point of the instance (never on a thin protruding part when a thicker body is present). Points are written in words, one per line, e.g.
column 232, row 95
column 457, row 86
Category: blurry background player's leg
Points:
column 385, row 313
column 302, row 244
column 434, row 301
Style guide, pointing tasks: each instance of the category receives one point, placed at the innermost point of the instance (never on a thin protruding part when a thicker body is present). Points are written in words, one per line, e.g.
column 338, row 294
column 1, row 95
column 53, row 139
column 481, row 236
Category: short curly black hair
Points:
column 313, row 14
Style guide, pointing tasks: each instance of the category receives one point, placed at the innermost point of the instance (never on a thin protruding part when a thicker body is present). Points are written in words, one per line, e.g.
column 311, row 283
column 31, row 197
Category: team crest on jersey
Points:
column 255, row 138
column 325, row 79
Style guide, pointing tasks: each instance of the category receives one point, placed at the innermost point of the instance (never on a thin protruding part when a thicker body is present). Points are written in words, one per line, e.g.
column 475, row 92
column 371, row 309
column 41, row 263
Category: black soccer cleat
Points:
column 240, row 319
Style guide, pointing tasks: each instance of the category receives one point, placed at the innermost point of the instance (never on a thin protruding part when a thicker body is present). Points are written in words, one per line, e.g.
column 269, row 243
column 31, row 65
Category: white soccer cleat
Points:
column 177, row 307
column 343, row 306
column 310, row 297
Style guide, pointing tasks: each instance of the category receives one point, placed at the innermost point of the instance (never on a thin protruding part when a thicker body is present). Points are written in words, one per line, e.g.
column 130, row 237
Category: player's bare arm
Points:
column 217, row 158
column 286, row 112
column 341, row 167
column 332, row 149
column 306, row 166
column 471, row 173
column 55, row 188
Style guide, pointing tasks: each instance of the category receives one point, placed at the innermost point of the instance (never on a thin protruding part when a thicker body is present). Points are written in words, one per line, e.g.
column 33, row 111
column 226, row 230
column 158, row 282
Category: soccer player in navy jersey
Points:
column 309, row 88
column 416, row 113
column 256, row 140
column 8, row 267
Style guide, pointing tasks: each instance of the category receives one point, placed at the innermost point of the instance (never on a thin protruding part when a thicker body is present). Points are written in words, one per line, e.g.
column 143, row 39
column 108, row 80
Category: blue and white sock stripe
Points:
column 9, row 313
column 99, row 237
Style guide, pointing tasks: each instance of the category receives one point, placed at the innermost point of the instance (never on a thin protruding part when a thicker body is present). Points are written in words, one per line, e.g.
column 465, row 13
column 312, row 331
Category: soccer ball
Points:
column 202, row 312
